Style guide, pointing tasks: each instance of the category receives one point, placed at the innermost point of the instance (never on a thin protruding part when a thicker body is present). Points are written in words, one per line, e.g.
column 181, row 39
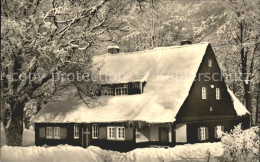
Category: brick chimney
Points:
column 113, row 49
column 185, row 42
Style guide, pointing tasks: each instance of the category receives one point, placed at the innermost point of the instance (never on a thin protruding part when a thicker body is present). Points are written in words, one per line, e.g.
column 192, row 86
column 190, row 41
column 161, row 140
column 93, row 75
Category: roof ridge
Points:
column 153, row 49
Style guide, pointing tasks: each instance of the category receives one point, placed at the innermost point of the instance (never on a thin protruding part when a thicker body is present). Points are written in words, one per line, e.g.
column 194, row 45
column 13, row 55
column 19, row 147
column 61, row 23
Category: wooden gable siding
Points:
column 196, row 108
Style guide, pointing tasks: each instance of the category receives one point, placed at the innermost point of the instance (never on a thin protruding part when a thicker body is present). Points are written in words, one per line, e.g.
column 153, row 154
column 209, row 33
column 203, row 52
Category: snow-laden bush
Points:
column 241, row 145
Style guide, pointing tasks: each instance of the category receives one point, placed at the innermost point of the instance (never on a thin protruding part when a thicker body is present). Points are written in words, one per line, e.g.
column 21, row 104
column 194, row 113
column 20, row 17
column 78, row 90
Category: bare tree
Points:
column 241, row 35
column 43, row 38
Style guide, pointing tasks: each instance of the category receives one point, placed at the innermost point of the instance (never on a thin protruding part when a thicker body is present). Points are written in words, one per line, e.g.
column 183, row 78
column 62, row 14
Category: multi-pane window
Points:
column 49, row 133
column 203, row 93
column 203, row 133
column 116, row 133
column 76, row 131
column 56, row 132
column 121, row 133
column 111, row 134
column 217, row 93
column 210, row 63
column 107, row 91
column 121, row 90
column 219, row 129
column 95, row 131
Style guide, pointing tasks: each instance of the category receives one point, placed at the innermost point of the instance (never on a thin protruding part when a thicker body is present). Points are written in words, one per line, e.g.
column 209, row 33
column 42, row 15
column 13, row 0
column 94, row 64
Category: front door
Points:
column 85, row 136
column 164, row 134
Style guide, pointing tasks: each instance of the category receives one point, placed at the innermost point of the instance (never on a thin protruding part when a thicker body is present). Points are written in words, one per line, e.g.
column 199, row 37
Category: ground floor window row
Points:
column 202, row 132
column 113, row 132
column 118, row 132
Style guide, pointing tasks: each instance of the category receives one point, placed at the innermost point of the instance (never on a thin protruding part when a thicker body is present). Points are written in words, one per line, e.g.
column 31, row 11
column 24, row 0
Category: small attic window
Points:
column 203, row 93
column 210, row 108
column 209, row 62
column 217, row 93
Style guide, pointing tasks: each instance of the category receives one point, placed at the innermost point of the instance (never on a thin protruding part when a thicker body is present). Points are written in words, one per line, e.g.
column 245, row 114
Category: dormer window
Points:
column 121, row 91
column 209, row 62
column 107, row 91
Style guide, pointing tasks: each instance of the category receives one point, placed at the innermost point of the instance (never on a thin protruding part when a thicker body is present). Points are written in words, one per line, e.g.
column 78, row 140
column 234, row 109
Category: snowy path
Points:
column 66, row 153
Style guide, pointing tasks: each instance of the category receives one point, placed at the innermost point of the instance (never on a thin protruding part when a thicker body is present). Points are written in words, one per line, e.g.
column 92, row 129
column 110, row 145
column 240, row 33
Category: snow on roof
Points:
column 168, row 71
column 238, row 106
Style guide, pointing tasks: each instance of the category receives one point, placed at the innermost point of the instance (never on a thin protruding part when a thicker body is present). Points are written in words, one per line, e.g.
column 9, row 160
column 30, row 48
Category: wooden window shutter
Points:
column 42, row 132
column 199, row 136
column 102, row 133
column 216, row 133
column 207, row 133
column 63, row 133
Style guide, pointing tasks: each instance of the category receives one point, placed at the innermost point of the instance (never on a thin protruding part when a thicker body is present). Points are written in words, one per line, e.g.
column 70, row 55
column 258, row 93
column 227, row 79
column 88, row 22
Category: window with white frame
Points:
column 121, row 90
column 76, row 131
column 56, row 132
column 49, row 133
column 209, row 62
column 121, row 133
column 204, row 93
column 111, row 134
column 203, row 133
column 107, row 91
column 95, row 131
column 217, row 93
column 219, row 129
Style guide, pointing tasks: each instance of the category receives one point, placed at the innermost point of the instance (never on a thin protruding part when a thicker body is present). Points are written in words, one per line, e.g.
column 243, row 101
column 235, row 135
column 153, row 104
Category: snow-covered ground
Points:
column 66, row 153
column 189, row 152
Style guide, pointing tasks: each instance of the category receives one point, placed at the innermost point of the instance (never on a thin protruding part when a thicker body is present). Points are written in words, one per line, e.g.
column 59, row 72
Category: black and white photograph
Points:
column 130, row 81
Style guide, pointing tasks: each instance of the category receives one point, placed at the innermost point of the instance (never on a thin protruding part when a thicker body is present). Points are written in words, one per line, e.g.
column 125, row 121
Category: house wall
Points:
column 151, row 133
column 143, row 134
column 118, row 145
column 154, row 132
column 67, row 134
column 195, row 111
column 192, row 129
column 181, row 133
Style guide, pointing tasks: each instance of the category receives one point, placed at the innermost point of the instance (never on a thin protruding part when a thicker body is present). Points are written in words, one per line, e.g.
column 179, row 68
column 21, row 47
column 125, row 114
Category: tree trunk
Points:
column 248, row 100
column 14, row 126
column 245, row 78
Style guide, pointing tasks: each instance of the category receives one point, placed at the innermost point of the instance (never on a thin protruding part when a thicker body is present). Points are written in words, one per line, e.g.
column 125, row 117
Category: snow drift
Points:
column 189, row 152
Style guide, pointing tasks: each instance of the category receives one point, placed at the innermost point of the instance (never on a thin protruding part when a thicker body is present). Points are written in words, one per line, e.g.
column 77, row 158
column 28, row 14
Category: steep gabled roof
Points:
column 168, row 71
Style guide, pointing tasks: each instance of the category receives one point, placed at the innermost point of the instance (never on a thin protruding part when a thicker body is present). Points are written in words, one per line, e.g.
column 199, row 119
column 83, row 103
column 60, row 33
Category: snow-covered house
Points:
column 164, row 96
